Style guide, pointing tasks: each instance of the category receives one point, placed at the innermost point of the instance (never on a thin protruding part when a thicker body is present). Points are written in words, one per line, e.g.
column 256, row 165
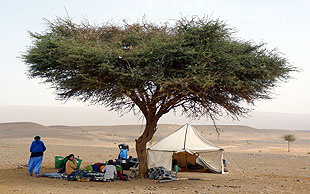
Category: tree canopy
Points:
column 290, row 138
column 194, row 64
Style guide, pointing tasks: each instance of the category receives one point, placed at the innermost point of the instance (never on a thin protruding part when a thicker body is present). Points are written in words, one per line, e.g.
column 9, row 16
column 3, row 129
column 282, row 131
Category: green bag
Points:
column 61, row 161
column 119, row 168
column 88, row 168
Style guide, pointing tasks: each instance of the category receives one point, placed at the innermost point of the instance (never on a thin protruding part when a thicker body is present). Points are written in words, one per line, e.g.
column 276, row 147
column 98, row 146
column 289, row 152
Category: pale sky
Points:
column 281, row 24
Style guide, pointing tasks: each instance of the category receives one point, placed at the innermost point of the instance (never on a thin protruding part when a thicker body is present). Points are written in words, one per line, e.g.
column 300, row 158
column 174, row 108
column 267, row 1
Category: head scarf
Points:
column 37, row 138
column 70, row 156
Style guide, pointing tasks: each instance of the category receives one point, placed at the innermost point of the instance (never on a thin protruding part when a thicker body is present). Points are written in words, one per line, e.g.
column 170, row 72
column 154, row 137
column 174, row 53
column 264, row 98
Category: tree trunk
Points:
column 288, row 146
column 141, row 152
column 141, row 142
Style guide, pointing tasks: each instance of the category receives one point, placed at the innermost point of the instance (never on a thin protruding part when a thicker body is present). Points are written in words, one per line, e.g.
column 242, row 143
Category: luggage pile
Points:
column 96, row 171
column 159, row 173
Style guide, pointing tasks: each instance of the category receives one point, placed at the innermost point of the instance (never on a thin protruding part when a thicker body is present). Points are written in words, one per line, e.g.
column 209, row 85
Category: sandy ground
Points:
column 258, row 160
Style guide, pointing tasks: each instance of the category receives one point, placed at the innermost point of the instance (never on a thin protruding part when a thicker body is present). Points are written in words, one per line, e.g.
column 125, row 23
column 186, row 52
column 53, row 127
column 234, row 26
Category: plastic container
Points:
column 59, row 161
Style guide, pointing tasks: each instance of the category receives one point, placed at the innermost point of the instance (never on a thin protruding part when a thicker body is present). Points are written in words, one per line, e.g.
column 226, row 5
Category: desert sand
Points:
column 258, row 160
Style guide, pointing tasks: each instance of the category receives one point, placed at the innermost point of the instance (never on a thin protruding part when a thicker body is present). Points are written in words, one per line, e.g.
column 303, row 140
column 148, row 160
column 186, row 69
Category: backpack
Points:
column 95, row 167
column 123, row 177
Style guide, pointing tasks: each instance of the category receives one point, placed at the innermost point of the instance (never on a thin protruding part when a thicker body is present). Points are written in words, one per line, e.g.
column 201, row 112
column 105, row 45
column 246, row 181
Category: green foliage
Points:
column 289, row 137
column 194, row 64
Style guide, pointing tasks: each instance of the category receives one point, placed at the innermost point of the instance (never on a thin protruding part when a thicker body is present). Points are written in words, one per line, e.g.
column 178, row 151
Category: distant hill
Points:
column 269, row 120
column 17, row 130
column 21, row 130
column 85, row 116
column 21, row 126
column 128, row 133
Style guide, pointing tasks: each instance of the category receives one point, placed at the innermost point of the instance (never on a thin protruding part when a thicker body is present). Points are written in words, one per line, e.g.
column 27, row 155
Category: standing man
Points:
column 37, row 148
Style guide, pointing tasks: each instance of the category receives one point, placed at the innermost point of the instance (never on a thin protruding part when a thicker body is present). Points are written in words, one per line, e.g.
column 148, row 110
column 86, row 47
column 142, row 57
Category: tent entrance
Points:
column 187, row 162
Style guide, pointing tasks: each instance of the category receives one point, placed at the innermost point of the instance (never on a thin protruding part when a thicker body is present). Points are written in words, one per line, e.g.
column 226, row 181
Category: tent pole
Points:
column 185, row 147
column 185, row 160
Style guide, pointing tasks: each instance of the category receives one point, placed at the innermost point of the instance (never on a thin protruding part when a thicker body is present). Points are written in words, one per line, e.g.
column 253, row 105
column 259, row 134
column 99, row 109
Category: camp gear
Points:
column 95, row 167
column 133, row 161
column 83, row 176
column 88, row 168
column 127, row 163
column 95, row 176
column 159, row 173
column 189, row 179
column 176, row 168
column 119, row 168
column 101, row 168
column 187, row 146
column 122, row 176
column 61, row 170
column 55, row 175
column 167, row 180
column 61, row 161
column 123, row 163
column 134, row 173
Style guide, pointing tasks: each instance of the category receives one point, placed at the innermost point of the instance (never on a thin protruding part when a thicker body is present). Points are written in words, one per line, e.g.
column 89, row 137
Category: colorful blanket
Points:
column 159, row 173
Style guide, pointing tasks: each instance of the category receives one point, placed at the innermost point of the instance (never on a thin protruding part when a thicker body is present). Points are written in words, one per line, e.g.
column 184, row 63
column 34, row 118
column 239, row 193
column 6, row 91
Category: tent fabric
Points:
column 186, row 139
column 159, row 157
column 211, row 160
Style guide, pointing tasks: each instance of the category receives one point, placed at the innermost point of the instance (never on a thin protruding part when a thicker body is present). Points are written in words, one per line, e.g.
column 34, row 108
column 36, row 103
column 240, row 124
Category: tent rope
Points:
column 233, row 164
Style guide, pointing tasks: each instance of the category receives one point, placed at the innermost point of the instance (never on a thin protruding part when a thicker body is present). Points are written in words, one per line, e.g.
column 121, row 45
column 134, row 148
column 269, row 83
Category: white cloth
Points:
column 187, row 140
column 109, row 172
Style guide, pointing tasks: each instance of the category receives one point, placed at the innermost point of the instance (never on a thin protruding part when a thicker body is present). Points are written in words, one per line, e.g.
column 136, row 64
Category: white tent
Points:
column 187, row 146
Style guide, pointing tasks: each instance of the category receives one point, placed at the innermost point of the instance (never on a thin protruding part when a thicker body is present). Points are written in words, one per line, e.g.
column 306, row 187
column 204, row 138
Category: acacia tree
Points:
column 290, row 138
column 195, row 65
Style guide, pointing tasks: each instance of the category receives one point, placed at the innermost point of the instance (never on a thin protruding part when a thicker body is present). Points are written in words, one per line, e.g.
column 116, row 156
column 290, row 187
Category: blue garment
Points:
column 37, row 147
column 79, row 173
column 35, row 163
column 123, row 154
column 36, row 157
